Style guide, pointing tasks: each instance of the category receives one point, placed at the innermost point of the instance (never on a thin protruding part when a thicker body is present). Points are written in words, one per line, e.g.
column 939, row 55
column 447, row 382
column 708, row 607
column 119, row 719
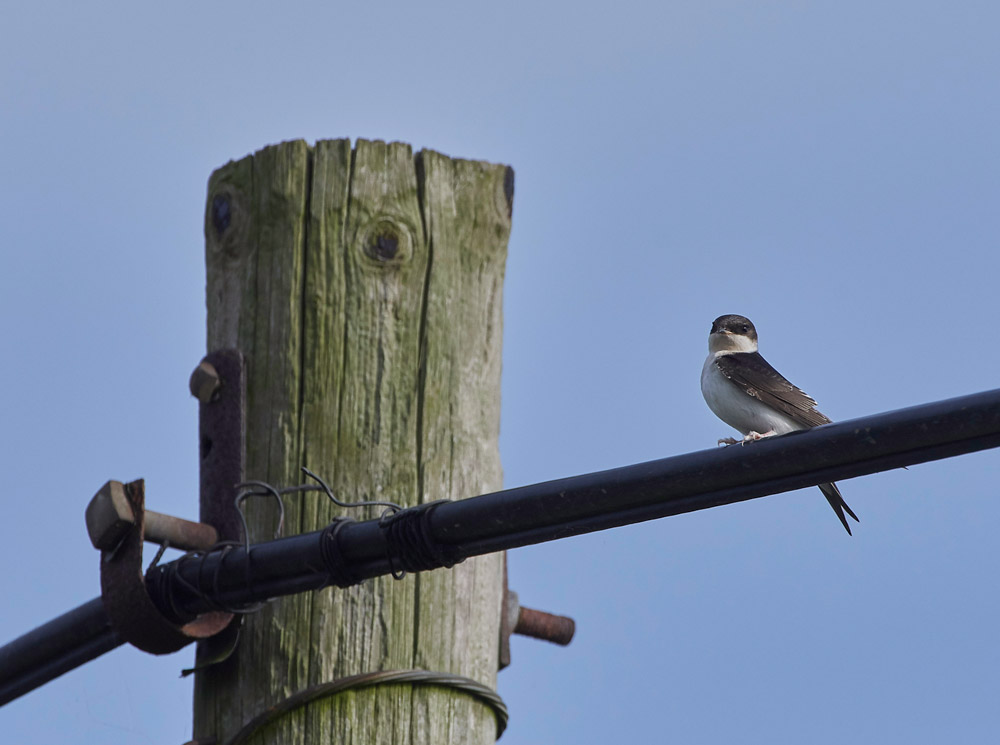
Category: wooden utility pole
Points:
column 364, row 289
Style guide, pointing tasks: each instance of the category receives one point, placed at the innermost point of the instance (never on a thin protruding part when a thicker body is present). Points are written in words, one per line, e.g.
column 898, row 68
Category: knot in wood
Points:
column 386, row 241
column 508, row 190
column 227, row 220
column 221, row 214
column 502, row 184
column 384, row 247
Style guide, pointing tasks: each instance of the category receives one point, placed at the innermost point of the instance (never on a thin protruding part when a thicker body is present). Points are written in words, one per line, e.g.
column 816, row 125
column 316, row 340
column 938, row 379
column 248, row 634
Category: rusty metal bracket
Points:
column 118, row 521
column 219, row 384
column 123, row 590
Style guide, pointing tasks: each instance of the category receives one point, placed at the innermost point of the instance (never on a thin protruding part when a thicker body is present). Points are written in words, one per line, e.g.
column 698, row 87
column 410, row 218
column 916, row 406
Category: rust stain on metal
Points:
column 547, row 626
column 183, row 534
column 123, row 590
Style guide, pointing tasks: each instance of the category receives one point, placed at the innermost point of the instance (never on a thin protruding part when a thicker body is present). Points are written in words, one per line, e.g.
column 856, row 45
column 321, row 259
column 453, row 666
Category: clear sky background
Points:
column 831, row 170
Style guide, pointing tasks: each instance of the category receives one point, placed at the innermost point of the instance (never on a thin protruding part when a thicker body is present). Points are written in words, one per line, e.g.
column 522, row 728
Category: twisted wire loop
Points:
column 337, row 568
column 257, row 489
column 409, row 545
column 330, row 547
column 207, row 588
column 474, row 688
column 263, row 489
column 324, row 487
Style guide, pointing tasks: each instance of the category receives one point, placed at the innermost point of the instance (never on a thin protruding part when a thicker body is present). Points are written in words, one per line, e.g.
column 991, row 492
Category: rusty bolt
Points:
column 535, row 623
column 548, row 626
column 183, row 534
column 110, row 518
column 205, row 382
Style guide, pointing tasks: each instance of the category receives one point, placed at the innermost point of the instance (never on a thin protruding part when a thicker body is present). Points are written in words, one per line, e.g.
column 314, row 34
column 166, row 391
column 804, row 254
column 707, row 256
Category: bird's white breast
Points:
column 737, row 409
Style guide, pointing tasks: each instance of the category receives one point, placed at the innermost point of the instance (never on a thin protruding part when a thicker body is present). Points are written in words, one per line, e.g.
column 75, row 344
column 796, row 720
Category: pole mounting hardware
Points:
column 123, row 588
column 516, row 619
column 219, row 384
column 110, row 518
column 118, row 522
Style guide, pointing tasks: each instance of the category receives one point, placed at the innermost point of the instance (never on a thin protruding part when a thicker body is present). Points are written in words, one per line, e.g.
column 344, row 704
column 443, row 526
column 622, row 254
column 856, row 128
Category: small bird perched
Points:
column 745, row 392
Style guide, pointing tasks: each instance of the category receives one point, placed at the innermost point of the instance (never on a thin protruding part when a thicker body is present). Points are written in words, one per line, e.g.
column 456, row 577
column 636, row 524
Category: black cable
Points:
column 442, row 533
column 409, row 542
column 450, row 531
column 338, row 569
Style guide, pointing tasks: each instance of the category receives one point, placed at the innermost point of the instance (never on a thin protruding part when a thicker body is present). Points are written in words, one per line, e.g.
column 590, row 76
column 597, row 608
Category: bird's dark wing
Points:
column 755, row 376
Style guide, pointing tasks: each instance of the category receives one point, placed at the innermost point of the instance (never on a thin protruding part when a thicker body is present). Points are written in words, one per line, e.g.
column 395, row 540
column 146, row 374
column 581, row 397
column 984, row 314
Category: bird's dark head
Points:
column 732, row 333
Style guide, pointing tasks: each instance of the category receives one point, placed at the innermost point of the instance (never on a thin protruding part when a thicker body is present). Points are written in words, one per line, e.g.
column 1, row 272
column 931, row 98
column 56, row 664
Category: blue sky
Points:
column 831, row 170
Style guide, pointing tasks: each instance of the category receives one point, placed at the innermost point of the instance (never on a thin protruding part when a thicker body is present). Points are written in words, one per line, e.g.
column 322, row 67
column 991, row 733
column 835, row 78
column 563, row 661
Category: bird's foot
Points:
column 754, row 436
column 728, row 441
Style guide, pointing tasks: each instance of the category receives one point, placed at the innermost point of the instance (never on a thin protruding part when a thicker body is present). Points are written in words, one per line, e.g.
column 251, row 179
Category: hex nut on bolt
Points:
column 205, row 382
column 109, row 516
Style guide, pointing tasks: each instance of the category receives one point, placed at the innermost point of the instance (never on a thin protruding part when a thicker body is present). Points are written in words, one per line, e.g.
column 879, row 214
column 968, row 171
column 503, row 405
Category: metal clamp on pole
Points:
column 118, row 522
column 219, row 384
column 116, row 519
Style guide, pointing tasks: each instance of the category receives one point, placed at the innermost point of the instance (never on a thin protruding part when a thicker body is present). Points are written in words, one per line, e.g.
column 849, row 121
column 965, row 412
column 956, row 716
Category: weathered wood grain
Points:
column 458, row 614
column 365, row 290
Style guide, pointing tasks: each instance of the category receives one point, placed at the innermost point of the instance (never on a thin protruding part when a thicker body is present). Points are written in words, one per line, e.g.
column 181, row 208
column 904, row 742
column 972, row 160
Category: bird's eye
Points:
column 745, row 328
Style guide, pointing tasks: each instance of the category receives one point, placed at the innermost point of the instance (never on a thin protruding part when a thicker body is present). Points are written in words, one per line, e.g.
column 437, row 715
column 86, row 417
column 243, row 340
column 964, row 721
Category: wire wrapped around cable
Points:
column 337, row 567
column 410, row 547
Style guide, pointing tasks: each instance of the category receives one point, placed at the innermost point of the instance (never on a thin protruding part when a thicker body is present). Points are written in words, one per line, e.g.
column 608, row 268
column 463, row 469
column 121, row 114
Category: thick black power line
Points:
column 596, row 501
column 57, row 647
column 442, row 533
